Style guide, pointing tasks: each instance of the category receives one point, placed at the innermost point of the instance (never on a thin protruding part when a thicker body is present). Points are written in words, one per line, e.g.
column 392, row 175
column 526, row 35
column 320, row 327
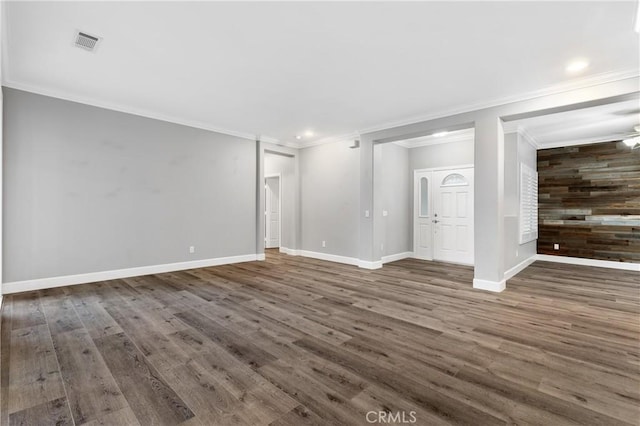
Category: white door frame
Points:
column 264, row 218
column 431, row 191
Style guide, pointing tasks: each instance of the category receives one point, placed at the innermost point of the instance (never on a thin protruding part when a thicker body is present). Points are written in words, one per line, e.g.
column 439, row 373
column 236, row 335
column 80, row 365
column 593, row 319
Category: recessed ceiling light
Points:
column 577, row 66
column 440, row 134
column 308, row 133
column 298, row 137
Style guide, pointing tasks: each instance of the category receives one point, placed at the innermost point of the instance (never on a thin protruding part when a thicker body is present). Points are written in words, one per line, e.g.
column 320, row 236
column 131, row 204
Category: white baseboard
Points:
column 397, row 256
column 42, row 283
column 330, row 257
column 495, row 286
column 365, row 264
column 290, row 252
column 333, row 258
column 626, row 266
column 519, row 267
column 261, row 256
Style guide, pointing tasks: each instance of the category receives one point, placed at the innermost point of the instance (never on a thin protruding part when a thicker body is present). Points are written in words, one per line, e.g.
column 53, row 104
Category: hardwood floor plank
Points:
column 91, row 390
column 27, row 311
column 238, row 345
column 54, row 412
column 6, row 314
column 35, row 378
column 147, row 393
column 432, row 401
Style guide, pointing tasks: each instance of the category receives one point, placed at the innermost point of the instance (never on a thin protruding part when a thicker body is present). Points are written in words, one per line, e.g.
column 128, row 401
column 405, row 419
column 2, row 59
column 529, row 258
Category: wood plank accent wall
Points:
column 589, row 201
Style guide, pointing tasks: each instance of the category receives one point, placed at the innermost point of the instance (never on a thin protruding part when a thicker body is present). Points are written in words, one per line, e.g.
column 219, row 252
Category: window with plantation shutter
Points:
column 528, row 204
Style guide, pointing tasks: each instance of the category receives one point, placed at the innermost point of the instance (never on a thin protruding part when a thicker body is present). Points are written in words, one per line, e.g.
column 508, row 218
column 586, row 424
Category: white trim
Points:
column 625, row 266
column 348, row 137
column 290, row 252
column 584, row 141
column 397, row 256
column 442, row 169
column 334, row 258
column 60, row 94
column 261, row 257
column 460, row 136
column 329, row 257
column 519, row 268
column 495, row 286
column 62, row 281
column 365, row 264
column 527, row 137
column 595, row 80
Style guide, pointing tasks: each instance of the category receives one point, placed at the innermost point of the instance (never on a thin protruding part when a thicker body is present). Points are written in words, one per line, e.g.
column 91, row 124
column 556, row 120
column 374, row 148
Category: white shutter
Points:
column 528, row 204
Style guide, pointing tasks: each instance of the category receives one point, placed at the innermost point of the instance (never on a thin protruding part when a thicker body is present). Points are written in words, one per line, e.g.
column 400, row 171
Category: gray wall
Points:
column 396, row 189
column 88, row 189
column 516, row 150
column 330, row 196
column 273, row 164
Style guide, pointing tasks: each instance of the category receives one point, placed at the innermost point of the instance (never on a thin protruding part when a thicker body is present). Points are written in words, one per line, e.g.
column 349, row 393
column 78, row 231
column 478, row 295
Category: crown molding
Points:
column 461, row 135
column 331, row 139
column 113, row 106
column 528, row 137
column 590, row 81
column 584, row 141
column 585, row 82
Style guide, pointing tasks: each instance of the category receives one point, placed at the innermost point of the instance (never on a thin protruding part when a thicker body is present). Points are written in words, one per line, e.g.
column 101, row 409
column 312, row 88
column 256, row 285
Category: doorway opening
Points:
column 272, row 211
column 426, row 192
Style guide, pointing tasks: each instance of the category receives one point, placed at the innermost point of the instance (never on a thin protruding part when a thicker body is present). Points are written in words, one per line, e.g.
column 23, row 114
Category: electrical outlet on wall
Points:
column 556, row 246
column 324, row 243
column 192, row 249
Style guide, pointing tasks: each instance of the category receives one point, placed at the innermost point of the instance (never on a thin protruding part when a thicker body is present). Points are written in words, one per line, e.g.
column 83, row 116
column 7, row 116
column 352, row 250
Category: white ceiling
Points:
column 278, row 69
column 582, row 126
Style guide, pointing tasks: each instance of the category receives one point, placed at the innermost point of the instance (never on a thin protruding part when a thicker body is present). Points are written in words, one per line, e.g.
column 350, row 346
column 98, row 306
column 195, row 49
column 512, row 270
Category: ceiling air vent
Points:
column 86, row 41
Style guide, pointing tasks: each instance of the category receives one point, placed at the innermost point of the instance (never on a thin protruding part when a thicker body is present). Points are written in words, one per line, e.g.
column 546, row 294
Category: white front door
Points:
column 422, row 226
column 453, row 215
column 272, row 212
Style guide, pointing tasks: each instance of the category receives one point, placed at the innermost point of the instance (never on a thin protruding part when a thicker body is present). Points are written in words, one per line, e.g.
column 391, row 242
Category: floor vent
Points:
column 86, row 41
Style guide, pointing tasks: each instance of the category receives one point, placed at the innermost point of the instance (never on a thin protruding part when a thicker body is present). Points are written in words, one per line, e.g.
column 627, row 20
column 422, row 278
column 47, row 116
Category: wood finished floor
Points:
column 293, row 341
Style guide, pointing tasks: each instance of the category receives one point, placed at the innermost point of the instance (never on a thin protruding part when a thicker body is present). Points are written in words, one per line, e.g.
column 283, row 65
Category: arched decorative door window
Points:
column 424, row 197
column 454, row 179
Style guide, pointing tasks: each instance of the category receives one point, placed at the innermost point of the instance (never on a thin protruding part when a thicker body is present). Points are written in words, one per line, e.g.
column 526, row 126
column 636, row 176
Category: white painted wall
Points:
column 330, row 190
column 396, row 195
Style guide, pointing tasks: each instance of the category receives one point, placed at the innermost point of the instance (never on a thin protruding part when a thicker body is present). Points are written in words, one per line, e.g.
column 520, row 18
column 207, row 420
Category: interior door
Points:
column 272, row 212
column 453, row 216
column 422, row 225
